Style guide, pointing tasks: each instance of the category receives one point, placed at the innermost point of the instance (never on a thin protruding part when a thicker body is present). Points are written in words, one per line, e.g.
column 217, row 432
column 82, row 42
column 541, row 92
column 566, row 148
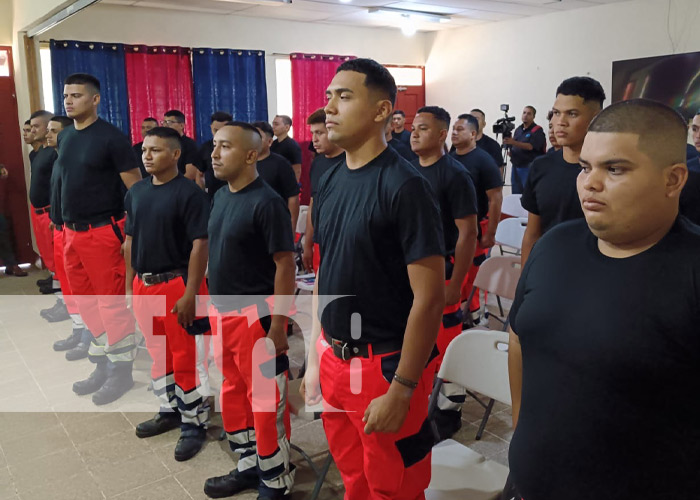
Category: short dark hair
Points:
column 265, row 127
column 28, row 122
column 377, row 77
column 398, row 112
column 471, row 121
column 42, row 113
column 662, row 131
column 439, row 113
column 477, row 110
column 534, row 111
column 585, row 87
column 170, row 135
column 150, row 119
column 550, row 114
column 221, row 116
column 63, row 120
column 177, row 114
column 91, row 82
column 245, row 126
column 318, row 116
column 286, row 119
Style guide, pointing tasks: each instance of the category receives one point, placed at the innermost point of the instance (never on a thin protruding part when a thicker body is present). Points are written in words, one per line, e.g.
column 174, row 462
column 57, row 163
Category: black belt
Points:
column 44, row 210
column 150, row 279
column 77, row 226
column 58, row 227
column 348, row 350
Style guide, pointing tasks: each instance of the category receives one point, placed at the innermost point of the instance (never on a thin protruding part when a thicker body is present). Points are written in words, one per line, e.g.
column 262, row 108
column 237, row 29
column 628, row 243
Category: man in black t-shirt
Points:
column 328, row 154
column 606, row 314
column 146, row 125
column 28, row 137
column 250, row 260
column 211, row 183
column 190, row 164
column 398, row 128
column 550, row 191
column 404, row 150
column 485, row 142
column 453, row 188
column 690, row 197
column 166, row 257
column 284, row 145
column 277, row 172
column 380, row 234
column 96, row 161
column 528, row 142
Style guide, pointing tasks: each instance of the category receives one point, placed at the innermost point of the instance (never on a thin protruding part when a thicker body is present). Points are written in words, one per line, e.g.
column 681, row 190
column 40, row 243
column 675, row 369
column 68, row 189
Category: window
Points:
column 283, row 72
column 407, row 77
column 46, row 81
column 4, row 63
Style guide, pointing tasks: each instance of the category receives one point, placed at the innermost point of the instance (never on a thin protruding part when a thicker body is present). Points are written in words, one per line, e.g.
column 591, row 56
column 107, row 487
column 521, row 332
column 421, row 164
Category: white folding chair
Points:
column 301, row 221
column 477, row 360
column 510, row 232
column 498, row 275
column 511, row 206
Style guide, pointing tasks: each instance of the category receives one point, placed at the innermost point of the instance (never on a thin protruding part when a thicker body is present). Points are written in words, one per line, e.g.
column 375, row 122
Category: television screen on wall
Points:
column 673, row 80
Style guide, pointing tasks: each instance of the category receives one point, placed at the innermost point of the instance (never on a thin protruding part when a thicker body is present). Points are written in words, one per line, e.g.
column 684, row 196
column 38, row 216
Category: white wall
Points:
column 523, row 61
column 5, row 22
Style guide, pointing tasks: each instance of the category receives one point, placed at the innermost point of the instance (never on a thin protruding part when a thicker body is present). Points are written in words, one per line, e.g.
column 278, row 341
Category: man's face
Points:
column 481, row 118
column 463, row 136
column 279, row 127
column 528, row 116
column 427, row 134
column 319, row 137
column 230, row 157
column 215, row 127
column 52, row 133
column 696, row 132
column 27, row 135
column 171, row 122
column 398, row 122
column 266, row 142
column 571, row 119
column 39, row 125
column 552, row 137
column 78, row 101
column 157, row 155
column 147, row 125
column 621, row 190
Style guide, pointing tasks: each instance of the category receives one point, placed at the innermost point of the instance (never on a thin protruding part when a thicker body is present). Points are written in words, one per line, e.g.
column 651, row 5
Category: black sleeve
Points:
column 462, row 195
column 417, row 220
column 196, row 214
column 129, row 223
column 490, row 175
column 273, row 220
column 295, row 151
column 529, row 198
column 122, row 153
column 538, row 140
column 496, row 153
column 287, row 179
column 192, row 156
column 520, row 289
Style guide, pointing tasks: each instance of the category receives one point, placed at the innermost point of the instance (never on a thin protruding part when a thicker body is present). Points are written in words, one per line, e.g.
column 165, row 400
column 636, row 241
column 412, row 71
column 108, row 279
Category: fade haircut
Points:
column 534, row 111
column 662, row 131
column 377, row 77
column 584, row 87
column 471, row 120
column 285, row 119
column 550, row 114
column 177, row 114
column 265, row 127
column 42, row 113
column 90, row 82
column 171, row 136
column 398, row 112
column 254, row 137
column 439, row 113
column 221, row 116
column 318, row 116
column 150, row 119
column 477, row 110
column 63, row 120
column 28, row 122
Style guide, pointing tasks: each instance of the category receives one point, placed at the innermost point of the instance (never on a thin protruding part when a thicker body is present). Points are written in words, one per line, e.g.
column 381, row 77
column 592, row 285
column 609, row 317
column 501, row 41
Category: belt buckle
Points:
column 343, row 348
column 145, row 277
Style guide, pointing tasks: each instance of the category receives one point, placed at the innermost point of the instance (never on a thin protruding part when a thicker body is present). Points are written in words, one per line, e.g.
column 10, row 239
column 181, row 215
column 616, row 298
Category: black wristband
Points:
column 405, row 382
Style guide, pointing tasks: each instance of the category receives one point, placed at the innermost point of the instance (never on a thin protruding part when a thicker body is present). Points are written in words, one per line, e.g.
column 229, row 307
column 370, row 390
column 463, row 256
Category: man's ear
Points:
column 384, row 111
column 675, row 177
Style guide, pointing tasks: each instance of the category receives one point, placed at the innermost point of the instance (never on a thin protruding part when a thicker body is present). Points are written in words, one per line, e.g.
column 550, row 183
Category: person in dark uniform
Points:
column 96, row 161
column 398, row 128
column 551, row 136
column 550, row 192
column 328, row 154
column 485, row 142
column 211, row 183
column 454, row 190
column 605, row 314
column 146, row 125
column 379, row 230
column 402, row 149
column 251, row 279
column 284, row 145
column 528, row 142
column 277, row 172
column 166, row 256
column 189, row 164
column 690, row 196
column 7, row 252
column 28, row 137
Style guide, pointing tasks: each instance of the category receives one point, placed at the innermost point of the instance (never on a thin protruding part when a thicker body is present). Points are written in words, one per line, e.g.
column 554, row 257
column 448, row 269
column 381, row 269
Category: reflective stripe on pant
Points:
column 379, row 466
column 58, row 244
column 44, row 237
column 253, row 397
column 172, row 349
column 96, row 272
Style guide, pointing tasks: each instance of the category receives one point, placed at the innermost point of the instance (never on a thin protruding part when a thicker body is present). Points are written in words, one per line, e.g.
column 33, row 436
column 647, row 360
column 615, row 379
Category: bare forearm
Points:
column 464, row 256
column 309, row 233
column 127, row 261
column 419, row 339
column 315, row 326
column 515, row 374
column 495, row 203
column 197, row 266
column 297, row 170
column 529, row 239
column 293, row 205
column 284, row 289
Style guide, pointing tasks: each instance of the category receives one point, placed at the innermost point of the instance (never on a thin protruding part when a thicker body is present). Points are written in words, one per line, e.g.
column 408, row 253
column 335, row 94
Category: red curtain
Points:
column 311, row 74
column 158, row 79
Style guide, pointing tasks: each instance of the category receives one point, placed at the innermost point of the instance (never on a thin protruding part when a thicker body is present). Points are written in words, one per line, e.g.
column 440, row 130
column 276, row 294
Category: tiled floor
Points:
column 55, row 445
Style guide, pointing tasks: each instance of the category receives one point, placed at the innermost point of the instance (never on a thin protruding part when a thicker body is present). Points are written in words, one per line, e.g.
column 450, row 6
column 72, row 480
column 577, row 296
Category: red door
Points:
column 410, row 98
column 13, row 190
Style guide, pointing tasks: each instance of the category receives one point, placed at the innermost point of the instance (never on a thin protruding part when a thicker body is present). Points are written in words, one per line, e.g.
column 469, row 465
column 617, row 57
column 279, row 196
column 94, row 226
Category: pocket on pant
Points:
column 389, row 365
column 416, row 447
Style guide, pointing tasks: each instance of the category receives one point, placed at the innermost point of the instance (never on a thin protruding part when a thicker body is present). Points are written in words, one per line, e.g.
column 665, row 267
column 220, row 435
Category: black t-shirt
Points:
column 138, row 152
column 370, row 224
column 164, row 220
column 532, row 135
column 611, row 369
column 550, row 190
column 40, row 183
column 484, row 173
column 55, row 198
column 404, row 136
column 211, row 183
column 279, row 174
column 492, row 147
column 454, row 191
column 245, row 229
column 91, row 160
column 320, row 166
column 690, row 197
column 403, row 150
column 32, row 154
column 189, row 154
column 289, row 148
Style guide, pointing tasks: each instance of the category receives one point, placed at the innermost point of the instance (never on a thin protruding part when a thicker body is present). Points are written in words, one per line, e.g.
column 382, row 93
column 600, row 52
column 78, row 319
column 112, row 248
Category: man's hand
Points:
column 185, row 310
column 508, row 140
column 51, row 226
column 487, row 240
column 129, row 297
column 453, row 293
column 310, row 388
column 388, row 412
column 279, row 338
column 307, row 257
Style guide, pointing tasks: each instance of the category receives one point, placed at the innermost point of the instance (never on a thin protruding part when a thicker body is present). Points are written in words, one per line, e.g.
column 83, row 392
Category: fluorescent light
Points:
column 345, row 1
column 430, row 17
column 258, row 2
column 408, row 25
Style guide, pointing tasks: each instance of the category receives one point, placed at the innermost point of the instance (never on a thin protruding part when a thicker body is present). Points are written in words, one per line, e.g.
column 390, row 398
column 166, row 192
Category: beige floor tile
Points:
column 165, row 489
column 112, row 449
column 115, row 479
column 193, row 480
column 104, row 424
column 17, row 424
column 35, row 445
column 7, row 484
column 47, row 470
column 81, row 486
column 310, row 438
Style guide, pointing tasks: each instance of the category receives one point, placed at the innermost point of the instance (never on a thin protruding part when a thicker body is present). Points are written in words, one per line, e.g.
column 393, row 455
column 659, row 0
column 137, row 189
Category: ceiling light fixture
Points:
column 408, row 25
column 345, row 1
column 416, row 15
column 273, row 3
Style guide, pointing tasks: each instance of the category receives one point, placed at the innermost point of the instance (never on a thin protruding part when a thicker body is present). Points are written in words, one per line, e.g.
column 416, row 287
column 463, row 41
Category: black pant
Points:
column 7, row 253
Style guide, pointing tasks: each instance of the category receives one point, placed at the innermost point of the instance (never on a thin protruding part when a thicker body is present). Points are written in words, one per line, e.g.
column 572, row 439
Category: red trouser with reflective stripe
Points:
column 58, row 244
column 44, row 237
column 372, row 467
column 474, row 305
column 253, row 398
column 96, row 272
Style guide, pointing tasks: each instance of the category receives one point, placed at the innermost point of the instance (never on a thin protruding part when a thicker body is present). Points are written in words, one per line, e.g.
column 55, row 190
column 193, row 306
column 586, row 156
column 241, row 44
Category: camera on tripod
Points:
column 504, row 126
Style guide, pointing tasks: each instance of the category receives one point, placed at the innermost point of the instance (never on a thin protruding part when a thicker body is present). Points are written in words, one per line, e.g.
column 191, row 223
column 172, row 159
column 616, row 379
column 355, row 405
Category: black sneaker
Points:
column 448, row 422
column 230, row 484
column 49, row 289
column 159, row 424
column 192, row 438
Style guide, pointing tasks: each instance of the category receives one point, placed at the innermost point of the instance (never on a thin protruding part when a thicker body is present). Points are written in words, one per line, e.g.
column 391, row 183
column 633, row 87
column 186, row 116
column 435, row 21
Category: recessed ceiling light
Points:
column 345, row 1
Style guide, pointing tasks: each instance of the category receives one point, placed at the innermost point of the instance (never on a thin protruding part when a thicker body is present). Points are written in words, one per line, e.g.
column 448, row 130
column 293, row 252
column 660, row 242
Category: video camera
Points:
column 504, row 126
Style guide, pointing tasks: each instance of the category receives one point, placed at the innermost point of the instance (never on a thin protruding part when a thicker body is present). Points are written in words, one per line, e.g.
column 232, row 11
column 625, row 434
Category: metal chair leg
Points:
column 321, row 477
column 485, row 419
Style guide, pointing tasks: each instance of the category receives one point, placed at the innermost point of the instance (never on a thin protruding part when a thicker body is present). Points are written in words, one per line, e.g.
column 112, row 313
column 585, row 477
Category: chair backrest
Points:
column 499, row 275
column 511, row 206
column 510, row 232
column 478, row 360
column 301, row 221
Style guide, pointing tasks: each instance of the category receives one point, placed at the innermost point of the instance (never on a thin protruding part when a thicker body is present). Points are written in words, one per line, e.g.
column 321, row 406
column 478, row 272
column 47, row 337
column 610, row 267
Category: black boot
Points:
column 162, row 422
column 192, row 438
column 117, row 384
column 230, row 484
column 45, row 281
column 93, row 383
column 70, row 342
column 49, row 289
column 80, row 351
column 57, row 307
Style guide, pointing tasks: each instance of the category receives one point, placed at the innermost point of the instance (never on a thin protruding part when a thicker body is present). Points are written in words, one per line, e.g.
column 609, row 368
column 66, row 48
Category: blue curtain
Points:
column 228, row 80
column 102, row 60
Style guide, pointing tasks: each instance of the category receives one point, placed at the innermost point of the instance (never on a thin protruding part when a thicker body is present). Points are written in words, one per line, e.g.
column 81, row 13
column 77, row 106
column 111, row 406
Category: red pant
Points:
column 372, row 467
column 253, row 397
column 96, row 272
column 474, row 305
column 172, row 349
column 44, row 237
column 317, row 257
column 58, row 244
